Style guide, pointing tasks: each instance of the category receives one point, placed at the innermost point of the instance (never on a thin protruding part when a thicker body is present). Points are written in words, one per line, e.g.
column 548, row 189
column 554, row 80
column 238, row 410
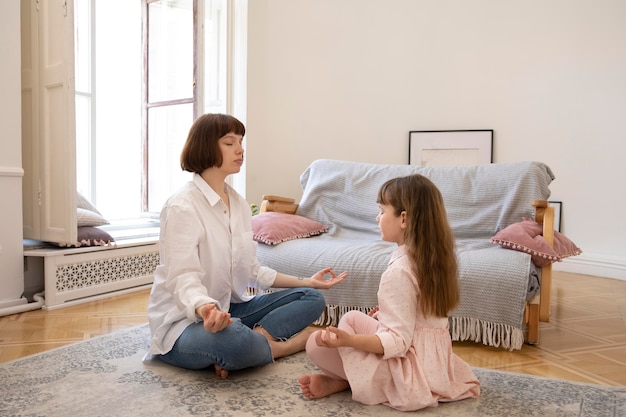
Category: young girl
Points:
column 400, row 354
column 199, row 310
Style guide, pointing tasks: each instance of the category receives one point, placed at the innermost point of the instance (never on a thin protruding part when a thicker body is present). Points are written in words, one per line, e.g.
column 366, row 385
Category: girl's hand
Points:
column 332, row 337
column 372, row 312
column 318, row 281
column 214, row 319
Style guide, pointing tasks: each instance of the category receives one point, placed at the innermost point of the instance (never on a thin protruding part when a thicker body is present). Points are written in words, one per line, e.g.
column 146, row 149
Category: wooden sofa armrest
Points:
column 278, row 204
column 544, row 214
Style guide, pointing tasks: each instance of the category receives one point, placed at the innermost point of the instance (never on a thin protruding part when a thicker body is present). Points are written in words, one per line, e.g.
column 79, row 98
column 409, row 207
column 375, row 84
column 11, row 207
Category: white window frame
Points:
column 49, row 141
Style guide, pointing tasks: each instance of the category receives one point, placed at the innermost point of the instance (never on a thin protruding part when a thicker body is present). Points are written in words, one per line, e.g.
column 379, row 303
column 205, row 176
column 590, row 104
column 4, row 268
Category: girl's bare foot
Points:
column 320, row 386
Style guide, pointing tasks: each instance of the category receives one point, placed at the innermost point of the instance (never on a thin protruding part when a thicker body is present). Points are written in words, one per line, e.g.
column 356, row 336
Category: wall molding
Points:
column 594, row 264
column 11, row 172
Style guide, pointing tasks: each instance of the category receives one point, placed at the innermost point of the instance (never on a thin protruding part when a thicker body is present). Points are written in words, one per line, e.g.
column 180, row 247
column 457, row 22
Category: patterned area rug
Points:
column 107, row 376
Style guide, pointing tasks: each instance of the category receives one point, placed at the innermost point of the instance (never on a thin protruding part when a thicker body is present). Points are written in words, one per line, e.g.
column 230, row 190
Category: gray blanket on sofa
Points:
column 480, row 200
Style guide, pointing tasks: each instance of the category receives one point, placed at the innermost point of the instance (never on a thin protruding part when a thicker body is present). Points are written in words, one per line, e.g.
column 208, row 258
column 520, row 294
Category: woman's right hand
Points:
column 214, row 319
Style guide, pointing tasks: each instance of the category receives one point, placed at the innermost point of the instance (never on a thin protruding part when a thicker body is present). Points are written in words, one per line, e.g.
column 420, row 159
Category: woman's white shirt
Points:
column 207, row 255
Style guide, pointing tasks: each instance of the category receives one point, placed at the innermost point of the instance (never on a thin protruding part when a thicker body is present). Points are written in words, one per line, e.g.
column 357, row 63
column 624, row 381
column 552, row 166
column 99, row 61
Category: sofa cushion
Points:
column 365, row 260
column 494, row 282
column 480, row 200
column 273, row 228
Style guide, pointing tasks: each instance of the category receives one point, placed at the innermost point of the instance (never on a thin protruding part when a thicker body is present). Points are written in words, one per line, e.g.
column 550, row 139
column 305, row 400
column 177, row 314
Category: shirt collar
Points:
column 399, row 252
column 212, row 197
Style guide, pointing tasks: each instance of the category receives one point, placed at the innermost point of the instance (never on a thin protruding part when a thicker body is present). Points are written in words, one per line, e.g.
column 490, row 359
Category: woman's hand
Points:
column 214, row 319
column 372, row 312
column 318, row 281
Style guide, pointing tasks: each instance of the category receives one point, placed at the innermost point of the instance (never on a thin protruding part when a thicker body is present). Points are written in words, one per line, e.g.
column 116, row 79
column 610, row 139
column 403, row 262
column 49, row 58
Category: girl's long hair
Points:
column 428, row 239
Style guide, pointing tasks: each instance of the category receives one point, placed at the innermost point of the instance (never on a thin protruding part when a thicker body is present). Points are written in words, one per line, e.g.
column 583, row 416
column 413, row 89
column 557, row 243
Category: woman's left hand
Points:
column 319, row 281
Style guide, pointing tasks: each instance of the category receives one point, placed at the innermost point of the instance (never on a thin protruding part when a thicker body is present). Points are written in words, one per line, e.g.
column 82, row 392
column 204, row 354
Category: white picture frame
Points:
column 450, row 147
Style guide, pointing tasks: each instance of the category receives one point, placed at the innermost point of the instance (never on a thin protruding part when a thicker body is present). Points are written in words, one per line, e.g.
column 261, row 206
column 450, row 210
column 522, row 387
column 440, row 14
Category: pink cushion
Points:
column 273, row 228
column 526, row 236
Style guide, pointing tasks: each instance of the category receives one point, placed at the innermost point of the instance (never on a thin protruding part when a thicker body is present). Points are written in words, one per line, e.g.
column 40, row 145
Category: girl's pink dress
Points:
column 418, row 368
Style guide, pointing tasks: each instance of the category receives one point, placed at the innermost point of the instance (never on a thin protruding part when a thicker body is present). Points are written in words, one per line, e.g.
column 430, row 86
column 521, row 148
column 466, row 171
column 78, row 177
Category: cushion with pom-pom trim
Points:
column 526, row 236
column 273, row 228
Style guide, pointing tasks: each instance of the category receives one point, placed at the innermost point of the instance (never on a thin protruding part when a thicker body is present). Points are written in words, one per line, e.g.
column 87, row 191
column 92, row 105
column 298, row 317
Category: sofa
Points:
column 501, row 292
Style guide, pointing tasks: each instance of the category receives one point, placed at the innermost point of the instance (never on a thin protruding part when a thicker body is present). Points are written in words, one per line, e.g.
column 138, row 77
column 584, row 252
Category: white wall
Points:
column 11, row 259
column 349, row 79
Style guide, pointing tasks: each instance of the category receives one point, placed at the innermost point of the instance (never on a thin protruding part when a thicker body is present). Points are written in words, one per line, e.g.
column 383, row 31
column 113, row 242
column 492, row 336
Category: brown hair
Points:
column 429, row 240
column 201, row 150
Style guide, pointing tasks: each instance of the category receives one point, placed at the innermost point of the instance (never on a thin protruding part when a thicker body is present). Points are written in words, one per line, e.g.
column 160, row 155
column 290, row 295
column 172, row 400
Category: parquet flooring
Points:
column 585, row 340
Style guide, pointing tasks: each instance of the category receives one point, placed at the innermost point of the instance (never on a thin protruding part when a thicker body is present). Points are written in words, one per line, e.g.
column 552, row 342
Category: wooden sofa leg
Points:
column 533, row 324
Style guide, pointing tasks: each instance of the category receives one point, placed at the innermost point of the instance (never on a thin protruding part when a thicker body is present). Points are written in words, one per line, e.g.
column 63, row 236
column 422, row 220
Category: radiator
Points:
column 77, row 275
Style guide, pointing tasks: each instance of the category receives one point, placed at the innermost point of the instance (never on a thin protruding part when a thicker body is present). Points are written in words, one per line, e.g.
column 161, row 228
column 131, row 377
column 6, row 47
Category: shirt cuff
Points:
column 191, row 308
column 391, row 348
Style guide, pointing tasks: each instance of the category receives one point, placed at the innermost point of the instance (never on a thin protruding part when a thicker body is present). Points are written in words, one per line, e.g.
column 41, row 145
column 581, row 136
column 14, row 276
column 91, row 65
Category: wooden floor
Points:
column 585, row 340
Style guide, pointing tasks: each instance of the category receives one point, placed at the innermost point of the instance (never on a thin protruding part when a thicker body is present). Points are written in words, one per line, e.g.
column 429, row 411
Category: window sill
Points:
column 133, row 229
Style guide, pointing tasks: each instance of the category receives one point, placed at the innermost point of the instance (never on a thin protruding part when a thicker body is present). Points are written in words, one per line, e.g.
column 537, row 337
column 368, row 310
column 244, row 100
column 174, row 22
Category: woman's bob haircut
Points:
column 201, row 150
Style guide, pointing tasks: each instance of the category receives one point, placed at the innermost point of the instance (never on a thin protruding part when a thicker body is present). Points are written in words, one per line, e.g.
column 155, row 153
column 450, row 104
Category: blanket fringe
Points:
column 490, row 334
column 332, row 314
column 461, row 328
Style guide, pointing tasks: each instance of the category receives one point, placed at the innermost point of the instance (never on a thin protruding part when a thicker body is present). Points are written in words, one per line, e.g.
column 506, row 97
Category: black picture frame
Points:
column 558, row 208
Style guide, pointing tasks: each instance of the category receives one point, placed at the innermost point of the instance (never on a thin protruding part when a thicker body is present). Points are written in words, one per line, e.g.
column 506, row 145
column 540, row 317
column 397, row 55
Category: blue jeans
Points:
column 281, row 313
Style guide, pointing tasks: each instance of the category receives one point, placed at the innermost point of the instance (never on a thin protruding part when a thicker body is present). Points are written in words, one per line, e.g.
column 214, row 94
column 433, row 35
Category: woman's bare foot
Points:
column 294, row 344
column 222, row 373
column 320, row 386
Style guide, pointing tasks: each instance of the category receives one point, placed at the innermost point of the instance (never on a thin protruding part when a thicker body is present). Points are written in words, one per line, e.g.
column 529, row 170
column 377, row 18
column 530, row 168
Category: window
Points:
column 144, row 70
column 170, row 96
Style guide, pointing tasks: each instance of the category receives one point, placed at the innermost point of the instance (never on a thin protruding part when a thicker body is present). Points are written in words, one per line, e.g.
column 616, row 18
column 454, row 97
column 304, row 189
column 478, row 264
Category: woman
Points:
column 200, row 310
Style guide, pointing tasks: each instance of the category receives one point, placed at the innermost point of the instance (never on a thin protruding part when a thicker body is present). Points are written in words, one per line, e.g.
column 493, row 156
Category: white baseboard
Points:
column 590, row 264
column 12, row 303
column 97, row 297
